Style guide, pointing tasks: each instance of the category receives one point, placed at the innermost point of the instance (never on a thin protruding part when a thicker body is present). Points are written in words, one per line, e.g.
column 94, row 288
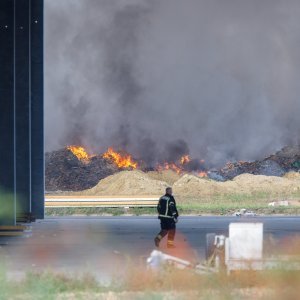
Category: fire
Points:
column 169, row 166
column 185, row 159
column 202, row 174
column 180, row 166
column 122, row 161
column 177, row 167
column 79, row 152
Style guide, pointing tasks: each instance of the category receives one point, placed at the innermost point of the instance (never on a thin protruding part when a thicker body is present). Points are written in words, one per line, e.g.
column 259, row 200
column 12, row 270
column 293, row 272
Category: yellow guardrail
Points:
column 14, row 230
column 100, row 201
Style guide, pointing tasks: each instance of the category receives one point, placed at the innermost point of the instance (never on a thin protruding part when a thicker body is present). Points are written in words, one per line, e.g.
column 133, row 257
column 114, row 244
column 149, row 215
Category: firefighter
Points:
column 168, row 215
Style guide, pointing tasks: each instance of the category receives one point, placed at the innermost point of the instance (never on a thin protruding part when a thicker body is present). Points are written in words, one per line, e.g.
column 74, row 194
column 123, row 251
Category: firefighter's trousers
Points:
column 168, row 227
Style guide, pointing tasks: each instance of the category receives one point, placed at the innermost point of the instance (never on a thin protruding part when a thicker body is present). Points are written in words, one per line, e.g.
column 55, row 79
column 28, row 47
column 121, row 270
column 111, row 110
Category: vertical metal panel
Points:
column 7, row 143
column 37, row 109
column 22, row 109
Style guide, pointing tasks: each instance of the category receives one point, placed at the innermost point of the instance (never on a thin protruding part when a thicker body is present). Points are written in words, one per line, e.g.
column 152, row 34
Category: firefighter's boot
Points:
column 170, row 244
column 157, row 240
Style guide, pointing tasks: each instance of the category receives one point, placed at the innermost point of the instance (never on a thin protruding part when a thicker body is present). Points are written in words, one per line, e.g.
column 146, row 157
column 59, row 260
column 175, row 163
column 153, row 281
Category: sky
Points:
column 217, row 79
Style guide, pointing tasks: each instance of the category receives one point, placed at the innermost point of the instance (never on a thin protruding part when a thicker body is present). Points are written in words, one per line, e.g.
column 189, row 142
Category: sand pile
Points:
column 168, row 176
column 138, row 183
column 250, row 184
column 190, row 185
column 292, row 175
column 128, row 183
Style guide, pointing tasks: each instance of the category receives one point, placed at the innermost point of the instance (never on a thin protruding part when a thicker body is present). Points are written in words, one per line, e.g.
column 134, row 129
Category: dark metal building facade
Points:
column 21, row 110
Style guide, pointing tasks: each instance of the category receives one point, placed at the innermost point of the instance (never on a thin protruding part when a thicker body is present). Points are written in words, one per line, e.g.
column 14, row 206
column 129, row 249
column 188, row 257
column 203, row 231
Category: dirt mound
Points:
column 190, row 185
column 128, row 183
column 251, row 179
column 250, row 184
column 292, row 175
column 168, row 176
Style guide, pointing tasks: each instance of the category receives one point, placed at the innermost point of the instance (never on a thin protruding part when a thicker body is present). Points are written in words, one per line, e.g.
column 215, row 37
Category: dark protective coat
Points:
column 166, row 208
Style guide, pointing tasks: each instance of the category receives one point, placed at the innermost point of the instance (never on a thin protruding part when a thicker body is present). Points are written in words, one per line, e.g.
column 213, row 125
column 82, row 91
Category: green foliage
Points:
column 47, row 285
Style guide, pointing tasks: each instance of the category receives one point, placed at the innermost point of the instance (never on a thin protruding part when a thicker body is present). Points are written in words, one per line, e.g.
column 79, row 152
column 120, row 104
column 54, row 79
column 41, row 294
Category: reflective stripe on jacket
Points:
column 166, row 207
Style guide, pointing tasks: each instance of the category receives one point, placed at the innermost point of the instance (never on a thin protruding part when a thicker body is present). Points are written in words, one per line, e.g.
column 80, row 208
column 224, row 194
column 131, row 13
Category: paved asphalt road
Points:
column 106, row 244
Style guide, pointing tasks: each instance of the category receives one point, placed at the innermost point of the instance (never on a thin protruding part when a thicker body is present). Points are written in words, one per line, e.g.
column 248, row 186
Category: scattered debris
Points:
column 279, row 203
column 242, row 250
column 157, row 258
column 244, row 213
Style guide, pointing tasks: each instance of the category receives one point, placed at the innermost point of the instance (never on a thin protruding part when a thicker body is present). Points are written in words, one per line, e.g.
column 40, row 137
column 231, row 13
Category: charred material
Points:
column 64, row 171
column 283, row 161
column 72, row 171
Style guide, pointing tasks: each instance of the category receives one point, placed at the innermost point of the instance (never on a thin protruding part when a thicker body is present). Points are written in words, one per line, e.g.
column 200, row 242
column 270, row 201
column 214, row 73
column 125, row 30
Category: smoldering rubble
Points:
column 66, row 172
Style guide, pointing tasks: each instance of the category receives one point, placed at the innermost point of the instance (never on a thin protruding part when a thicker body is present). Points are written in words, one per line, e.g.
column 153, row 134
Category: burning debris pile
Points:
column 185, row 164
column 72, row 168
column 283, row 161
column 124, row 161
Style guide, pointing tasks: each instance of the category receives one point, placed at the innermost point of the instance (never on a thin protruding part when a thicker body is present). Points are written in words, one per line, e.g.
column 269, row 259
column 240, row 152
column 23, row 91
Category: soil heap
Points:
column 128, row 183
column 168, row 176
column 193, row 186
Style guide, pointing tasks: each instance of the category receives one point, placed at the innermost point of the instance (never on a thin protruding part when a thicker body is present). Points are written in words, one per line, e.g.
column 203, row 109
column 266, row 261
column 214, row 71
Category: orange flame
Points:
column 169, row 166
column 185, row 159
column 177, row 167
column 202, row 174
column 122, row 161
column 79, row 152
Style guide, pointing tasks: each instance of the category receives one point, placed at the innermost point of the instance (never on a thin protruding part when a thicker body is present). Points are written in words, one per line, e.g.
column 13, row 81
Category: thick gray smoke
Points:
column 218, row 79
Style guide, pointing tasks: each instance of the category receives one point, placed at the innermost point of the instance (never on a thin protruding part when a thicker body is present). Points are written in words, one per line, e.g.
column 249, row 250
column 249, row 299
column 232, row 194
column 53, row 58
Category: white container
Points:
column 245, row 241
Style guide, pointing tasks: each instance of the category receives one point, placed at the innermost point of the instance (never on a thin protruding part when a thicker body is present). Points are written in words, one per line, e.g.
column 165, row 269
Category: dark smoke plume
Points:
column 219, row 79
